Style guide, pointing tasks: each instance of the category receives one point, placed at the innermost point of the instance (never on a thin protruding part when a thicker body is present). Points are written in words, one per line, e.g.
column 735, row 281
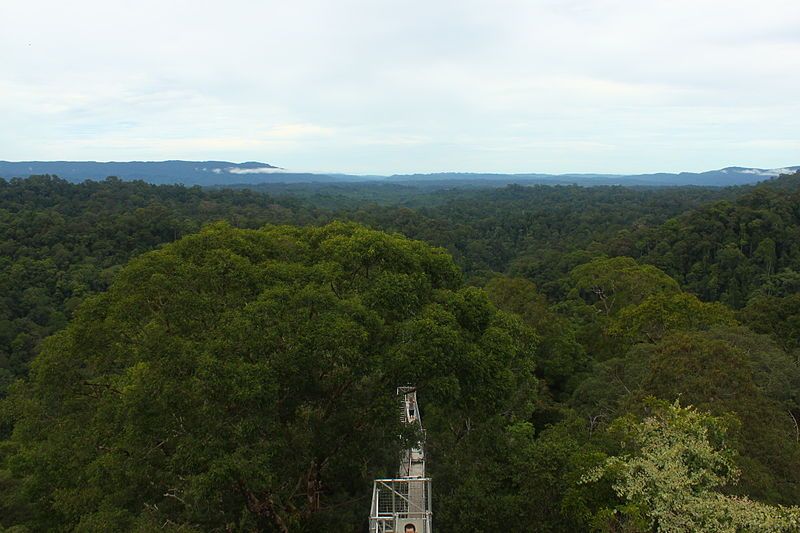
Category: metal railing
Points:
column 404, row 500
column 398, row 502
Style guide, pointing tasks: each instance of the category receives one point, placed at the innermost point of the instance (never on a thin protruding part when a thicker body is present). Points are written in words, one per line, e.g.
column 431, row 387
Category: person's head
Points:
column 410, row 528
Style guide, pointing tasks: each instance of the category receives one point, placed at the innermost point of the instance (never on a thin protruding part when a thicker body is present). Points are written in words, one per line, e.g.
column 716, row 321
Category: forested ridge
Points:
column 588, row 358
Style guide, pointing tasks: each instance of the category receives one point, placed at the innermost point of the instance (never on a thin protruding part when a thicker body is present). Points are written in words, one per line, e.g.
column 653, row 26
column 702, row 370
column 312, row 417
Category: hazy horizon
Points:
column 222, row 173
column 277, row 169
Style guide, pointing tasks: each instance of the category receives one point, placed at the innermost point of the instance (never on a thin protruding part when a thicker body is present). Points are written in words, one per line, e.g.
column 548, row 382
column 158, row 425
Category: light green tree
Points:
column 614, row 283
column 672, row 478
column 662, row 313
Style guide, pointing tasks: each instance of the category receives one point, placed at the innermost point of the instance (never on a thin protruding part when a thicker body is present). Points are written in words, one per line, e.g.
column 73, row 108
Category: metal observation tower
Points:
column 405, row 501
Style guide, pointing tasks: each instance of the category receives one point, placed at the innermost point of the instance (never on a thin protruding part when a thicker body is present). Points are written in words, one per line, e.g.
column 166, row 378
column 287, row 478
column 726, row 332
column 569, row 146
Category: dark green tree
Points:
column 246, row 380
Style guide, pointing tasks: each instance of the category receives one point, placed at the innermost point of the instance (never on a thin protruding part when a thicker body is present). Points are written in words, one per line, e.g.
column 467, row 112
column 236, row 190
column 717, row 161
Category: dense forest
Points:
column 602, row 358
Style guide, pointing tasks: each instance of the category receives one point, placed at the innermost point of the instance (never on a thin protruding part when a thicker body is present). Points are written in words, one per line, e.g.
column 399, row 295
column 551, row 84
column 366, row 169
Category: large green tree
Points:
column 560, row 355
column 724, row 370
column 245, row 379
column 676, row 463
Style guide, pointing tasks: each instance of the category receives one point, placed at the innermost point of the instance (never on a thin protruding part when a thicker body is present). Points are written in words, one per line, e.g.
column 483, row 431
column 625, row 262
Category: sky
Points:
column 377, row 86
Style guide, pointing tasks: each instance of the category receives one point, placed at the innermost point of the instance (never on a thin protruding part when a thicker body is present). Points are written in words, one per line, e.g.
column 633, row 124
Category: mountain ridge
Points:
column 213, row 172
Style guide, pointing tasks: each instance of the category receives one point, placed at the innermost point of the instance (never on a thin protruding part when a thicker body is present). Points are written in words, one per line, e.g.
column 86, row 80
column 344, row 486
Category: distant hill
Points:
column 715, row 178
column 251, row 173
column 162, row 172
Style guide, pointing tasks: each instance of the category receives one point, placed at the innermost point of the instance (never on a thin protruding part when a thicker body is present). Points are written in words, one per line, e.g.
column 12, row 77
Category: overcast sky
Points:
column 373, row 86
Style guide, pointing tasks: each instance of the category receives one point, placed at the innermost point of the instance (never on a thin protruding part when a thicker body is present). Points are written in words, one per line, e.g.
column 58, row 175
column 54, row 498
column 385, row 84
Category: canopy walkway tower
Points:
column 405, row 500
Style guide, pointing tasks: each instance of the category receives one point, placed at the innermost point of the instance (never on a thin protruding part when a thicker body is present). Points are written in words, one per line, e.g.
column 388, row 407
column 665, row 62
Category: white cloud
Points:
column 257, row 170
column 768, row 172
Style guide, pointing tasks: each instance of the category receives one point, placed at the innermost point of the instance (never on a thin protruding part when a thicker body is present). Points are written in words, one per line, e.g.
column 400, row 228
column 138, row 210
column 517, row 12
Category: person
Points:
column 409, row 528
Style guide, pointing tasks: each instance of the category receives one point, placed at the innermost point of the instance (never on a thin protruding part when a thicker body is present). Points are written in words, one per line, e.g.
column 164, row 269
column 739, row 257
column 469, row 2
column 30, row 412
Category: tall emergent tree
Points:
column 245, row 380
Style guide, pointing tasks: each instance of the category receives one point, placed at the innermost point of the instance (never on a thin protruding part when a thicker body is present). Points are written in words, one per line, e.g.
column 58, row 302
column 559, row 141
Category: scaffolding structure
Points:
column 404, row 500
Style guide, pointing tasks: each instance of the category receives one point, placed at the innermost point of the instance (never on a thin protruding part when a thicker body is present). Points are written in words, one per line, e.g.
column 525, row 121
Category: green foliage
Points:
column 605, row 288
column 731, row 250
column 538, row 232
column 524, row 481
column 677, row 463
column 560, row 355
column 727, row 370
column 776, row 316
column 611, row 284
column 661, row 313
column 60, row 242
column 245, row 379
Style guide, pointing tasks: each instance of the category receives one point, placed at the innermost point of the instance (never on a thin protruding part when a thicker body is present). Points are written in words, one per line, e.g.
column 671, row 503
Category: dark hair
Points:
column 410, row 526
